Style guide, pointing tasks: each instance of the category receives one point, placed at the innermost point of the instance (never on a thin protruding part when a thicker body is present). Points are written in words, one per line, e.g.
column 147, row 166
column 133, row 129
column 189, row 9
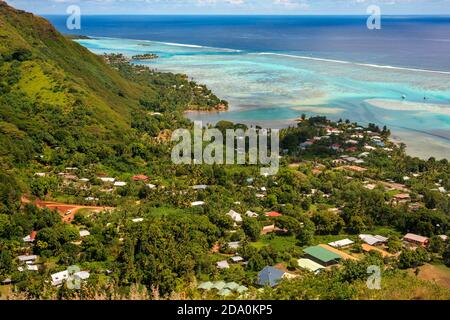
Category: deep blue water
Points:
column 406, row 41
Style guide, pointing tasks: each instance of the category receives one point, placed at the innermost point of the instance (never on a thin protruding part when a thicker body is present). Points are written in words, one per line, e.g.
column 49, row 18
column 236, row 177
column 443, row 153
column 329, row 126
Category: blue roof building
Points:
column 269, row 276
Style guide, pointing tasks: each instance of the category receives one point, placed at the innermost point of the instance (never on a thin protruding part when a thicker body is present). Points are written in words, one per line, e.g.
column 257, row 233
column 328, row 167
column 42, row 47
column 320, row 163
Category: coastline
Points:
column 244, row 108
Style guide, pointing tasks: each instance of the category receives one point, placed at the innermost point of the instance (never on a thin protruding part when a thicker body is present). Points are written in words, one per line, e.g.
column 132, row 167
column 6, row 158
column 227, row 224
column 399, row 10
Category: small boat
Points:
column 403, row 97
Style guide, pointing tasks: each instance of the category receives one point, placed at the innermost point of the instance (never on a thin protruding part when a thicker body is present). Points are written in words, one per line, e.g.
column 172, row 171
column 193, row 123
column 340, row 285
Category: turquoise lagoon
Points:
column 272, row 89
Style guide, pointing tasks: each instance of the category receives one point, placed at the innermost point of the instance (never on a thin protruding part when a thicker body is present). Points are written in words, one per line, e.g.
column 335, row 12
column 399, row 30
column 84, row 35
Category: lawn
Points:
column 276, row 242
column 385, row 231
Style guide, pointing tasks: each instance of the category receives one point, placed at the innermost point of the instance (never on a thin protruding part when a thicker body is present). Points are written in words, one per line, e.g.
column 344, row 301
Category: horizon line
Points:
column 446, row 15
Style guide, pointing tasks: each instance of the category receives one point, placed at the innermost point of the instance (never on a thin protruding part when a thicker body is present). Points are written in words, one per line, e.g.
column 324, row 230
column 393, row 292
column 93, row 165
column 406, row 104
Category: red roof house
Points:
column 273, row 214
column 140, row 177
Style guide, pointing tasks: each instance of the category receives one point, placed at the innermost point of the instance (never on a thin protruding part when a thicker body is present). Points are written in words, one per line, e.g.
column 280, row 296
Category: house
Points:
column 206, row 285
column 32, row 267
column 139, row 177
column 251, row 214
column 370, row 186
column 310, row 265
column 222, row 264
column 322, row 255
column 416, row 239
column 341, row 243
column 364, row 154
column 151, row 186
column 373, row 240
column 268, row 229
column 40, row 174
column 59, row 277
column 200, row 187
column 442, row 190
column 30, row 237
column 352, row 159
column 237, row 259
column 333, row 131
column 137, row 219
column 197, row 203
column 26, row 258
column 106, row 179
column 82, row 275
column 234, row 215
column 269, row 276
column 402, row 197
column 120, row 184
column 443, row 237
column 379, row 143
column 234, row 244
column 84, row 233
column 273, row 214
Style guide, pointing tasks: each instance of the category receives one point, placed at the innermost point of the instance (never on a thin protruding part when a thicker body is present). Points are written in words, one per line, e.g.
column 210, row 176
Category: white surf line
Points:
column 353, row 63
column 174, row 44
column 281, row 55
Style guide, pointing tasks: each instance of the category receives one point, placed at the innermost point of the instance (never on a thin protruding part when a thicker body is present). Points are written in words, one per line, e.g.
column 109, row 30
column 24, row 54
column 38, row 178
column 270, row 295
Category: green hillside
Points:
column 63, row 105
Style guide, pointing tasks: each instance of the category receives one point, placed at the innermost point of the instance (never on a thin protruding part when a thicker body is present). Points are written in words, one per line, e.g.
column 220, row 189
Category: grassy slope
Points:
column 61, row 71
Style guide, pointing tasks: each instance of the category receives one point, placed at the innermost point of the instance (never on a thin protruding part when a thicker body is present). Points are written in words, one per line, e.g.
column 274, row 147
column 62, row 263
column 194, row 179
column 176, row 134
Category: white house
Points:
column 120, row 184
column 32, row 267
column 59, row 277
column 200, row 187
column 373, row 240
column 27, row 258
column 197, row 203
column 105, row 179
column 251, row 214
column 84, row 233
column 237, row 259
column 234, row 244
column 223, row 264
column 341, row 243
column 234, row 215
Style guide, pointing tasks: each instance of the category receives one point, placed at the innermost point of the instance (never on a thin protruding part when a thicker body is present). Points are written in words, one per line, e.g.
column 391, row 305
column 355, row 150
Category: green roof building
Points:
column 322, row 255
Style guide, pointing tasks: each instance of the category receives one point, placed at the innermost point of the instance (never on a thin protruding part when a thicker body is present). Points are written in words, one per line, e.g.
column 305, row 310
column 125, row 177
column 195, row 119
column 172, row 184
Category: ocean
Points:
column 274, row 68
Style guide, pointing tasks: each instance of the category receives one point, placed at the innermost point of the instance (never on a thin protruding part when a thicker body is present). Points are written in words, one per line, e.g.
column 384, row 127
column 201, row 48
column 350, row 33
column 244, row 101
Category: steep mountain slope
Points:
column 62, row 105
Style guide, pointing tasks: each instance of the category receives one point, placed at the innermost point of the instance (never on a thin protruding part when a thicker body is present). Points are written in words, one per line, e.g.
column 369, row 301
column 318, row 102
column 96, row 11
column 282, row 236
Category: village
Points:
column 351, row 149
